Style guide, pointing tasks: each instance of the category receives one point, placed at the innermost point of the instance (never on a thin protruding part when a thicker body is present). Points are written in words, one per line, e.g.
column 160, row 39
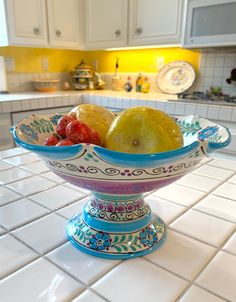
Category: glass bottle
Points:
column 146, row 85
column 128, row 85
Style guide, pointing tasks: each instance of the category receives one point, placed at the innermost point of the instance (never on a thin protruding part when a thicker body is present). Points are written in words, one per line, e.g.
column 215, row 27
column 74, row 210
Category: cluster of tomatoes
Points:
column 70, row 131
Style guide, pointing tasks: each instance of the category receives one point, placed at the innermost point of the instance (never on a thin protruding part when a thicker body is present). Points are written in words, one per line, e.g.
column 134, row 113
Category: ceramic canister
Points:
column 81, row 76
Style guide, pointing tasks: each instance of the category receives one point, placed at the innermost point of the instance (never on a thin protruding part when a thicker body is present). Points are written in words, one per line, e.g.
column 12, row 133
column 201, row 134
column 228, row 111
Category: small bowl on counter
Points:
column 45, row 85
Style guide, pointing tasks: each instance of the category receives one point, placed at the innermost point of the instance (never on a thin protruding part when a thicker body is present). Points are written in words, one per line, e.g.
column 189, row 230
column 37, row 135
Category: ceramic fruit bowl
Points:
column 116, row 222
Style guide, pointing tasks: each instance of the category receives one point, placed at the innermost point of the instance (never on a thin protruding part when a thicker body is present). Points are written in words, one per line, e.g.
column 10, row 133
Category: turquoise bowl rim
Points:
column 71, row 151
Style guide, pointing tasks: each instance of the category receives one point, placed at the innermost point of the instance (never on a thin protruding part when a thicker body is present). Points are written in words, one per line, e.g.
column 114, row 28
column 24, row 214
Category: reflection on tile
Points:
column 214, row 172
column 12, row 175
column 180, row 194
column 232, row 180
column 36, row 167
column 2, row 231
column 198, row 182
column 57, row 197
column 202, row 226
column 218, row 206
column 155, row 282
column 19, row 213
column 165, row 209
column 31, row 185
column 88, row 296
column 39, row 281
column 81, row 265
column 5, row 166
column 222, row 266
column 22, row 159
column 182, row 255
column 7, row 196
column 13, row 255
column 197, row 294
column 73, row 209
column 222, row 163
column 44, row 234
column 230, row 246
column 226, row 190
column 10, row 152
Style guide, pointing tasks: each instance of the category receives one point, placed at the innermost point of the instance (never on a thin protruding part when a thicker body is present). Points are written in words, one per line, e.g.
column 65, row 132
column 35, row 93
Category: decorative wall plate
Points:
column 176, row 77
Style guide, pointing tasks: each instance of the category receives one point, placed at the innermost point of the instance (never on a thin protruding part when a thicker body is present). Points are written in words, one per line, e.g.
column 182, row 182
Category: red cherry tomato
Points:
column 62, row 123
column 65, row 142
column 78, row 132
column 51, row 140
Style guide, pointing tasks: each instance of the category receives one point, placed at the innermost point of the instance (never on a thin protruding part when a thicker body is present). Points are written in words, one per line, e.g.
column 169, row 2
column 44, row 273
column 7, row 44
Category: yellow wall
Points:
column 140, row 59
column 29, row 59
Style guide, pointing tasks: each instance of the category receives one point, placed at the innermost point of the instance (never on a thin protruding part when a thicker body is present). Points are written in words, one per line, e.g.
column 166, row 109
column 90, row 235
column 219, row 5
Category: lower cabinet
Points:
column 6, row 141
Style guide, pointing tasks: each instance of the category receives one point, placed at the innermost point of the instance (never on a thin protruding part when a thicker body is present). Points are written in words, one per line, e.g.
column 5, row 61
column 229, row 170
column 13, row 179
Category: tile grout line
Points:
column 218, row 250
column 88, row 287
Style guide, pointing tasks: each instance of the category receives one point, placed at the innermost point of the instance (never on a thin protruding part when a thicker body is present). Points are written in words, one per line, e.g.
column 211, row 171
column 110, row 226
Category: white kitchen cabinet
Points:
column 153, row 22
column 111, row 23
column 64, row 23
column 106, row 23
column 44, row 23
column 26, row 22
column 6, row 140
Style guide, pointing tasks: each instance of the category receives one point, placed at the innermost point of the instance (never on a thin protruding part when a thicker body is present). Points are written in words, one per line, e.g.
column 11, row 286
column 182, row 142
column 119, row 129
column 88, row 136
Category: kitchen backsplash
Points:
column 214, row 69
column 22, row 81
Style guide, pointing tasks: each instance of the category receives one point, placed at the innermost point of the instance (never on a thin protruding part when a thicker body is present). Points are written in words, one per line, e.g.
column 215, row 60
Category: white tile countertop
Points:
column 33, row 101
column 37, row 263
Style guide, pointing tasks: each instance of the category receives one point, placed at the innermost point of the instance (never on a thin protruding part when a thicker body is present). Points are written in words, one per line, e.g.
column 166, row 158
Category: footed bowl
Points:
column 116, row 222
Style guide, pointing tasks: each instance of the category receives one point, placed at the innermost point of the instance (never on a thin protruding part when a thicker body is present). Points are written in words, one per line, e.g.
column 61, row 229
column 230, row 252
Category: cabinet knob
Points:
column 36, row 31
column 139, row 30
column 58, row 33
column 117, row 33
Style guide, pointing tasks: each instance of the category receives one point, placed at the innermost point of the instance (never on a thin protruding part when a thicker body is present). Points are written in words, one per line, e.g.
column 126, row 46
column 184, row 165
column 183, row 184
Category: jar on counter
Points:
column 82, row 76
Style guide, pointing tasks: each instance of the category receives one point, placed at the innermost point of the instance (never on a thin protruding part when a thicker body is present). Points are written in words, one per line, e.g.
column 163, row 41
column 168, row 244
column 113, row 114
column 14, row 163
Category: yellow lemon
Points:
column 143, row 130
column 97, row 117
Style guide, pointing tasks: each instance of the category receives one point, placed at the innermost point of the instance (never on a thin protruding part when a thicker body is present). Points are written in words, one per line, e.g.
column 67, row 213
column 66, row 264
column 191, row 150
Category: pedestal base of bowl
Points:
column 116, row 227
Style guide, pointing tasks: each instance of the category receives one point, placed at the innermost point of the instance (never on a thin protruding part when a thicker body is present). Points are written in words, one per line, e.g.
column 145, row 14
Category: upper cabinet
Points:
column 27, row 22
column 209, row 23
column 106, row 23
column 41, row 23
column 153, row 22
column 112, row 23
column 64, row 22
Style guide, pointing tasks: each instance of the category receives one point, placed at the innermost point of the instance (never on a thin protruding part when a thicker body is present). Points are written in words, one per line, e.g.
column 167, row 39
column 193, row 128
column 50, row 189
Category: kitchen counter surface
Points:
column 37, row 263
column 11, row 97
column 32, row 101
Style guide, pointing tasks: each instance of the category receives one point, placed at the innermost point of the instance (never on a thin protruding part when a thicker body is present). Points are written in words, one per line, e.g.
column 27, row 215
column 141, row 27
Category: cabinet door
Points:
column 27, row 22
column 63, row 21
column 106, row 23
column 153, row 22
